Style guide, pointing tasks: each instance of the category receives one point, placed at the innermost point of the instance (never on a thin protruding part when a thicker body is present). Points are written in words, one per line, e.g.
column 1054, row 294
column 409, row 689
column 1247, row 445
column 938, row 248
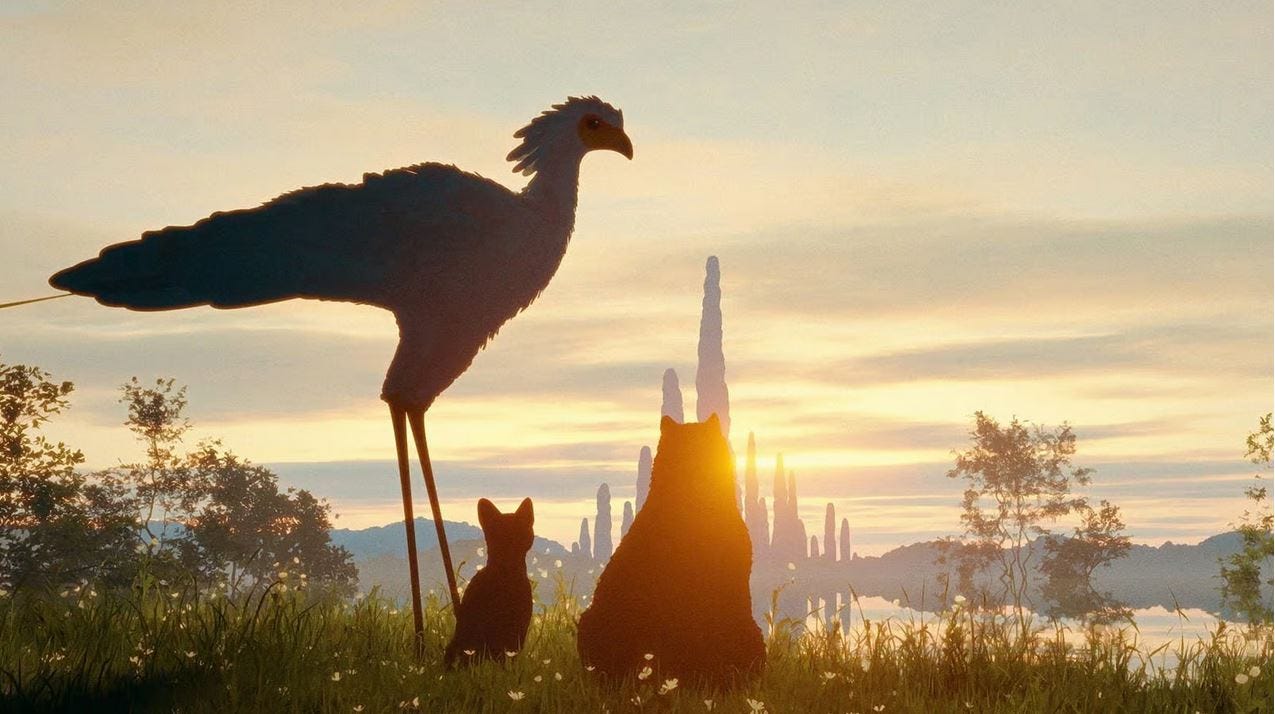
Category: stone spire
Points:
column 845, row 540
column 781, row 487
column 750, row 471
column 792, row 495
column 763, row 528
column 643, row 476
column 830, row 533
column 602, row 547
column 800, row 539
column 586, row 548
column 626, row 522
column 672, row 407
column 814, row 547
column 710, row 376
column 788, row 542
column 754, row 505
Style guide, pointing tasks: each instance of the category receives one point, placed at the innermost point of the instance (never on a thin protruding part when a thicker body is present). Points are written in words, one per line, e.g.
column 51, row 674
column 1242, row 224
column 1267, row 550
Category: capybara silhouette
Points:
column 494, row 613
column 677, row 585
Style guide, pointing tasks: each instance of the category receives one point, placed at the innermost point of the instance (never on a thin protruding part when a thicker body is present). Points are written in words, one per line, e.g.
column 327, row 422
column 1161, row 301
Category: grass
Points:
column 175, row 649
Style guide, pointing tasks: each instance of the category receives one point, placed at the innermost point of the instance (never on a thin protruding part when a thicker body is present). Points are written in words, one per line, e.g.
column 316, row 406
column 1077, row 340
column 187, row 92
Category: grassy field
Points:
column 173, row 649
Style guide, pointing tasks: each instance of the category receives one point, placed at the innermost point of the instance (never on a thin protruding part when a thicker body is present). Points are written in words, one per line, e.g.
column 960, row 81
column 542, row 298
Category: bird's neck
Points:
column 554, row 188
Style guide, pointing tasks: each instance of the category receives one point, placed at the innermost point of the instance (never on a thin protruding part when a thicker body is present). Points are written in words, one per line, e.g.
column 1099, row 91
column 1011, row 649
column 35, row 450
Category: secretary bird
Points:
column 452, row 254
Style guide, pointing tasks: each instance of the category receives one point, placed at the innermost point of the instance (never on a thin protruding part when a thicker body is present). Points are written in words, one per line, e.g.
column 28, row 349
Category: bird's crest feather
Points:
column 554, row 123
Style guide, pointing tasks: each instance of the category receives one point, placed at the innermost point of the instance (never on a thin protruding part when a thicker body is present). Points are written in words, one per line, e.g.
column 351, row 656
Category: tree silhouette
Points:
column 1018, row 479
column 249, row 531
column 56, row 525
column 162, row 485
column 1069, row 565
column 1242, row 572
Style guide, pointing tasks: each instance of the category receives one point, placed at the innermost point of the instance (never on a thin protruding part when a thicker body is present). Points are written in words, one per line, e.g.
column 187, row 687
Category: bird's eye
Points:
column 594, row 122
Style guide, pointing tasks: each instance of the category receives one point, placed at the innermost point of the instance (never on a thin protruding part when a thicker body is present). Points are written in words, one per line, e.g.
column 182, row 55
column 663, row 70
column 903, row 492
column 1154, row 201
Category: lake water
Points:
column 1158, row 630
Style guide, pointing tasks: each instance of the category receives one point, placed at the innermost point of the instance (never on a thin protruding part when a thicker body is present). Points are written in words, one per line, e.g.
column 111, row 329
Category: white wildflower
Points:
column 1254, row 671
column 336, row 676
column 1241, row 678
column 755, row 705
column 648, row 656
column 516, row 696
column 646, row 672
column 668, row 686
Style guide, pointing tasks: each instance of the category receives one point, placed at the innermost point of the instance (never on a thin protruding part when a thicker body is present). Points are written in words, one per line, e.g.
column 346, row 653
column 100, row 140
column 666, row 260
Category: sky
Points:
column 1056, row 212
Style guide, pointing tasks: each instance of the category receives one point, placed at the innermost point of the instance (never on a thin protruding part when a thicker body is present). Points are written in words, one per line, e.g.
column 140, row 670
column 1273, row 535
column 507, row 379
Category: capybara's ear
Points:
column 666, row 423
column 487, row 513
column 525, row 513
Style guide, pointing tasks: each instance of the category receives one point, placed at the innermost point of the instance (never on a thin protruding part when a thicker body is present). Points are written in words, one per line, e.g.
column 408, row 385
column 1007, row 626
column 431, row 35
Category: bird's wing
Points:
column 360, row 242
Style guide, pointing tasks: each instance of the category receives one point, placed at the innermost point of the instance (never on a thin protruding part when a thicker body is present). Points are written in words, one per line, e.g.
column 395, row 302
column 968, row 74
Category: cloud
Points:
column 1217, row 349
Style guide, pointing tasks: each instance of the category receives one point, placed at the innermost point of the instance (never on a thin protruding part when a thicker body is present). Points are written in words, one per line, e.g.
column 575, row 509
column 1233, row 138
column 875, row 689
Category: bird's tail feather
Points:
column 209, row 263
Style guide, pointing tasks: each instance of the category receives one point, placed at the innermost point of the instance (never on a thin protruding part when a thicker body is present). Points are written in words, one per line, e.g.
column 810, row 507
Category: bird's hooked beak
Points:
column 610, row 137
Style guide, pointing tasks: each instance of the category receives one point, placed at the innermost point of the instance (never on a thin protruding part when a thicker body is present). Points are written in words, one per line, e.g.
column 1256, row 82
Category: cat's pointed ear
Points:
column 525, row 513
column 713, row 420
column 487, row 513
column 666, row 424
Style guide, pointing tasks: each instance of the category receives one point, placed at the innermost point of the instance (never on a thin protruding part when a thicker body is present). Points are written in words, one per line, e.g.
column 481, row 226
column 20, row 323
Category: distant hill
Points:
column 1164, row 575
column 388, row 540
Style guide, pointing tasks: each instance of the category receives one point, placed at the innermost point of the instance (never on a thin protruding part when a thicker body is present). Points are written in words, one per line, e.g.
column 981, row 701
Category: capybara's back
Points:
column 677, row 586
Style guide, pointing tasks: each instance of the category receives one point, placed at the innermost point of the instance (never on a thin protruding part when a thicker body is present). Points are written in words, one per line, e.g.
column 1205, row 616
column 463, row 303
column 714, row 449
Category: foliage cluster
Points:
column 1242, row 572
column 1019, row 482
column 205, row 513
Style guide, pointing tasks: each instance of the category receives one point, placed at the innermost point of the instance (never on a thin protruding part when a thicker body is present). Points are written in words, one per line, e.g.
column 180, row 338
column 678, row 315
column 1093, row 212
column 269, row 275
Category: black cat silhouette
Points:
column 494, row 613
column 677, row 586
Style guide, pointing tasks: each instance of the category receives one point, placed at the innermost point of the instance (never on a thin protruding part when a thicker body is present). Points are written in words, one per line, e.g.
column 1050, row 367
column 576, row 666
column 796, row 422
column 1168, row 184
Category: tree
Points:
column 162, row 484
column 1242, row 572
column 214, row 515
column 56, row 525
column 1018, row 480
column 1069, row 565
column 249, row 531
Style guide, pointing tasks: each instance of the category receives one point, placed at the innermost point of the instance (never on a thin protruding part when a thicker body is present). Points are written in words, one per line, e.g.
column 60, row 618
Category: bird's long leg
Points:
column 417, row 420
column 399, row 418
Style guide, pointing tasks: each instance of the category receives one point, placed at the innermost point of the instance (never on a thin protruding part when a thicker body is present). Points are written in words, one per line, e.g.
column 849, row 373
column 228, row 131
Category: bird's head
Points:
column 570, row 130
